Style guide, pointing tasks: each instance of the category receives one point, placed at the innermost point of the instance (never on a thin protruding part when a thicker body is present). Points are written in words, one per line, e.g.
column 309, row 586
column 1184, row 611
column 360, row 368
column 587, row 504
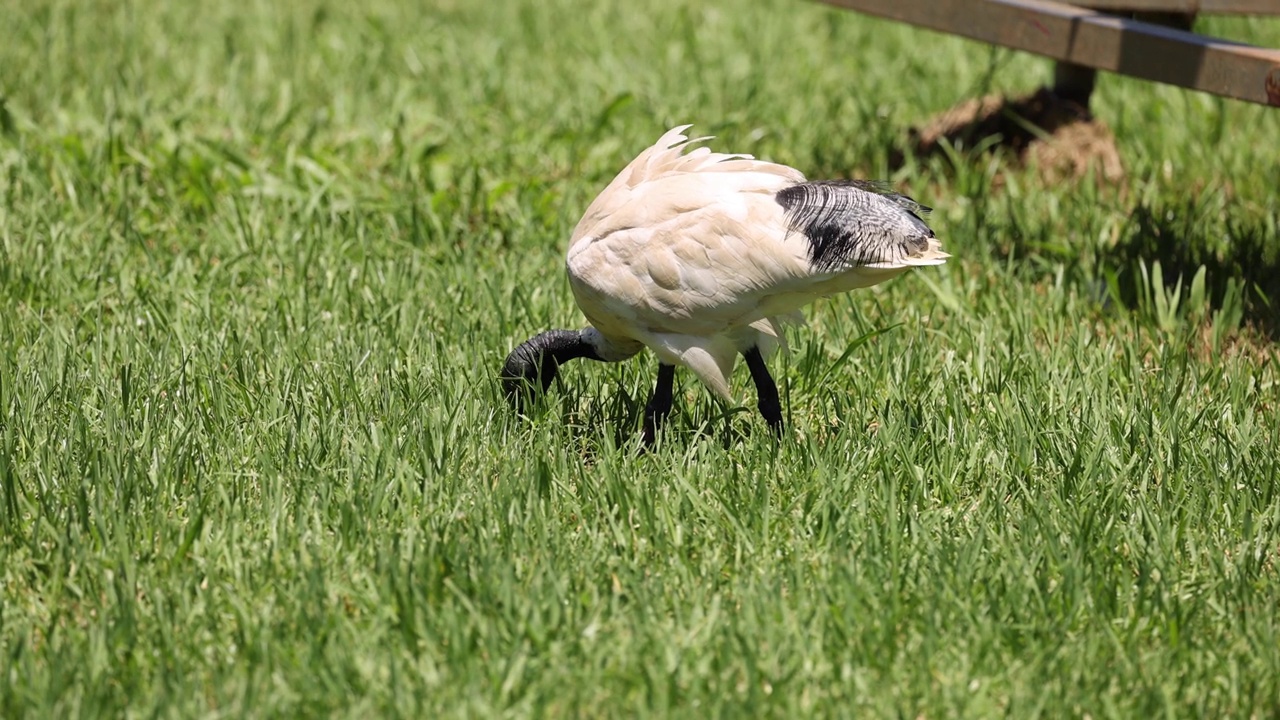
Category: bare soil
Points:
column 1057, row 136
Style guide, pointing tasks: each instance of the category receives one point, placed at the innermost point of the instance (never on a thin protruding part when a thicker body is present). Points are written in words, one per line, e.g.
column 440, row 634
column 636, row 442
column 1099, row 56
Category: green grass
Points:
column 260, row 262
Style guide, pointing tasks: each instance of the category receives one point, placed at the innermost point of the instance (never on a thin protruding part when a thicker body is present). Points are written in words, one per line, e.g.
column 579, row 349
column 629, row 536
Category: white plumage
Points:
column 702, row 256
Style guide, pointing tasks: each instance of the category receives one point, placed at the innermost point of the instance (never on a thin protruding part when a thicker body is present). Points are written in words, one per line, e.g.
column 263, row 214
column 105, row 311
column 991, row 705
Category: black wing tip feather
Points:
column 884, row 188
column 844, row 231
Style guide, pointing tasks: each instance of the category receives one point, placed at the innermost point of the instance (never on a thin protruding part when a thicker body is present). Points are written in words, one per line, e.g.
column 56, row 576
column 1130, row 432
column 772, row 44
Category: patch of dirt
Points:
column 1059, row 137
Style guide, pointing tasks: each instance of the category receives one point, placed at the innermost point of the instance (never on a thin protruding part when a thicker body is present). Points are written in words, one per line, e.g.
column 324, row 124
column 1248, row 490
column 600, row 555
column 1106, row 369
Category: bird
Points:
column 703, row 256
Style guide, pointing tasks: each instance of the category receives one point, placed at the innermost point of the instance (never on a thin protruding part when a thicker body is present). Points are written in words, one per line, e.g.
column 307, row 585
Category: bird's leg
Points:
column 766, row 390
column 659, row 407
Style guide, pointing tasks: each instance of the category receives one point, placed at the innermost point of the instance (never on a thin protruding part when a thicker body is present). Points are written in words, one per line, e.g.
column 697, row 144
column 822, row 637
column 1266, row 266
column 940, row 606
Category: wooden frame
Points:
column 1190, row 7
column 1082, row 38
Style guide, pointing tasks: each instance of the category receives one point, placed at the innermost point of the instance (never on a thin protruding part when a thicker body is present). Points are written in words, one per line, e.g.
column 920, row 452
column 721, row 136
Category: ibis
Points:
column 703, row 256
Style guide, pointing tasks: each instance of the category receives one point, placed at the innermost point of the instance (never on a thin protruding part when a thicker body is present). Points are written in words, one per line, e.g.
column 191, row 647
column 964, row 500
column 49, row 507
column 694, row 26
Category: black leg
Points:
column 659, row 406
column 766, row 390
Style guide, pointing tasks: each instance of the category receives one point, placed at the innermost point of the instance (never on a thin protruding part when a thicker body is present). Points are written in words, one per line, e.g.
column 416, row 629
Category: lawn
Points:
column 260, row 264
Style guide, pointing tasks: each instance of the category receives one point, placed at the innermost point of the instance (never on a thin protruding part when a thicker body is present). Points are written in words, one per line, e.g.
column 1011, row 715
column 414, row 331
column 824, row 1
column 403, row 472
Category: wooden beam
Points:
column 1190, row 7
column 1097, row 40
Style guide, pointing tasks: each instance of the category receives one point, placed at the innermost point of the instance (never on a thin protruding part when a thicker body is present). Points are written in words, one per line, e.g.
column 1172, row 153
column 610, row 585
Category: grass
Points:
column 260, row 263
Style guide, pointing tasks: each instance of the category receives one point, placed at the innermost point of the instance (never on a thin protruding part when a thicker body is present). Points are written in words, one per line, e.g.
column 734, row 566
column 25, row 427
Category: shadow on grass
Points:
column 1246, row 249
column 1058, row 136
column 600, row 415
column 1183, row 228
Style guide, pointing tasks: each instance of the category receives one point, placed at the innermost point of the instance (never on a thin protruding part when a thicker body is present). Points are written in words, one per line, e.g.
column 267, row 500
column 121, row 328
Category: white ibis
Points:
column 702, row 256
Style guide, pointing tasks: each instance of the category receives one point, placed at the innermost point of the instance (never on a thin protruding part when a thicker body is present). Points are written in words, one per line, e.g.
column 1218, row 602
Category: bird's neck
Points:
column 536, row 362
column 565, row 345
